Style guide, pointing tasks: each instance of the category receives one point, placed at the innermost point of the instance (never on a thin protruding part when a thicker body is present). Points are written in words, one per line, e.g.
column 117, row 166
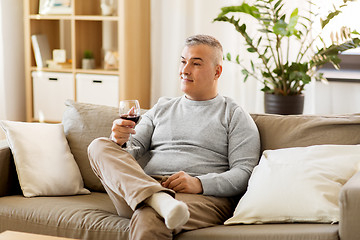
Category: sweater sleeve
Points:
column 243, row 156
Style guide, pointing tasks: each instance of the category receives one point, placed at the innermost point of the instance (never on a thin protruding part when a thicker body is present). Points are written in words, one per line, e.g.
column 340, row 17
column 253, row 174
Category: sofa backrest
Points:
column 85, row 122
column 280, row 131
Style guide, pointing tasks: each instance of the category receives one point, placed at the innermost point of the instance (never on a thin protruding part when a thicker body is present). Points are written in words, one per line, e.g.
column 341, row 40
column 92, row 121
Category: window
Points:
column 349, row 17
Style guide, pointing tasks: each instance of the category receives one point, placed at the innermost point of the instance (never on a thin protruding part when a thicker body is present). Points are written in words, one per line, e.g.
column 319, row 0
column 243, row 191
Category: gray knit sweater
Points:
column 214, row 140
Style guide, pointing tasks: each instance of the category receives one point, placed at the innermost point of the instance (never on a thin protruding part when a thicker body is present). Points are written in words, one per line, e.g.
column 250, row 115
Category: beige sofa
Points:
column 94, row 217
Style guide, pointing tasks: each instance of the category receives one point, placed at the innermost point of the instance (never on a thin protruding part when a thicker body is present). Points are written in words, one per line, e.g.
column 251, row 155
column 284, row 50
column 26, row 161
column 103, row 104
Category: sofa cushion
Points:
column 90, row 216
column 278, row 131
column 83, row 123
column 44, row 163
column 94, row 217
column 298, row 185
column 265, row 232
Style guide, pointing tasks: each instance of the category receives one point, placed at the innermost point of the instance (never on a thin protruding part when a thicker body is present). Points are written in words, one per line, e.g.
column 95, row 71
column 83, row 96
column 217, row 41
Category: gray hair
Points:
column 206, row 40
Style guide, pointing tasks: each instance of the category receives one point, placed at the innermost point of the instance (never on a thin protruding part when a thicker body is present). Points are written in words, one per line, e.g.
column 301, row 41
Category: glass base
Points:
column 128, row 146
column 131, row 148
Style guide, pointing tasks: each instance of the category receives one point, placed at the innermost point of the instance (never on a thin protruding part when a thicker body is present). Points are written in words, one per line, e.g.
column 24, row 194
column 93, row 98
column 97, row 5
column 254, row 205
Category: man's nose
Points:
column 185, row 69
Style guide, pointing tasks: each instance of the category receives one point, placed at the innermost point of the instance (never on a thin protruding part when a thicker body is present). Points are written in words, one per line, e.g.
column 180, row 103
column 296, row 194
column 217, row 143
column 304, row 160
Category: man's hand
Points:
column 183, row 183
column 121, row 129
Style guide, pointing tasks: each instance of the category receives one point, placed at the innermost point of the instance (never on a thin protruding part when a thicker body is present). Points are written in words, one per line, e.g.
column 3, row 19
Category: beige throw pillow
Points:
column 298, row 185
column 44, row 163
column 83, row 122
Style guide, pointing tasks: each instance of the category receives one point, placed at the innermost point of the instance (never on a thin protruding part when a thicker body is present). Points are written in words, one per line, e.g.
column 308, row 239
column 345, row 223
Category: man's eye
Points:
column 183, row 62
column 197, row 64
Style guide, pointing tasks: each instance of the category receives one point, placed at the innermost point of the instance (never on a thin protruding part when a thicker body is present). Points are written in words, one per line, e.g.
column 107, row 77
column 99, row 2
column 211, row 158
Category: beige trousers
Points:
column 128, row 186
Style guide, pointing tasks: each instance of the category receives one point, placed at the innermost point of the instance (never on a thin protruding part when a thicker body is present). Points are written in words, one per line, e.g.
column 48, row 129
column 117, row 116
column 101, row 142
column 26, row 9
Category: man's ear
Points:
column 218, row 71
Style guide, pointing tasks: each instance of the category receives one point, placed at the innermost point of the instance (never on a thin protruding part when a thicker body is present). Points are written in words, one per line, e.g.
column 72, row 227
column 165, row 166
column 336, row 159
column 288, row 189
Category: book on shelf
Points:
column 41, row 49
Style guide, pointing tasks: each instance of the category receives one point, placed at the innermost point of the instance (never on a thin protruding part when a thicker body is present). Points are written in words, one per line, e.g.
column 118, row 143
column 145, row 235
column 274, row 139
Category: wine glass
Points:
column 130, row 110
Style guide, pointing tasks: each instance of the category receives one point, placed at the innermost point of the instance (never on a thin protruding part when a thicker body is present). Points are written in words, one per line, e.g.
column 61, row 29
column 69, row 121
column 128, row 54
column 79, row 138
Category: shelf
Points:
column 50, row 17
column 65, row 70
column 97, row 71
column 78, row 70
column 96, row 18
column 70, row 17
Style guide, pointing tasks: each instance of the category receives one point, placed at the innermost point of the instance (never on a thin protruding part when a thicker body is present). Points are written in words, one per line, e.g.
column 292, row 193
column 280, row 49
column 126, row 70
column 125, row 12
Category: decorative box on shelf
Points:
column 50, row 90
column 97, row 89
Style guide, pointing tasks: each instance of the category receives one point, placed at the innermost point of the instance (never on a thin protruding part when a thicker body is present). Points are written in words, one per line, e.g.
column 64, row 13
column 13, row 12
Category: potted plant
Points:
column 88, row 61
column 283, row 78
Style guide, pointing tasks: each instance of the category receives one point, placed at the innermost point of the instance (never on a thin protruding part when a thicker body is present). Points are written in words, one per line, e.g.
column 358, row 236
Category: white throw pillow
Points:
column 44, row 163
column 297, row 185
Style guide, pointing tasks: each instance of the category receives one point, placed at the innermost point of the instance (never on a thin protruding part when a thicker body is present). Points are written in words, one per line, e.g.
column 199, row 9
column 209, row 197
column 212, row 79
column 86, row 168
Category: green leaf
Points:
column 307, row 19
column 237, row 59
column 266, row 49
column 277, row 4
column 259, row 40
column 266, row 89
column 245, row 72
column 335, row 49
column 251, row 50
column 306, row 79
column 280, row 28
column 266, row 74
column 245, row 78
column 296, row 75
column 243, row 8
column 293, row 21
column 242, row 28
column 265, row 31
column 283, row 29
column 252, row 65
column 278, row 10
column 228, row 56
column 328, row 18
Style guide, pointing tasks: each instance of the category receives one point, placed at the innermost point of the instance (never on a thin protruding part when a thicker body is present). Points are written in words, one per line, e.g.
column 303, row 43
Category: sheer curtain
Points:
column 2, row 85
column 173, row 21
column 12, row 90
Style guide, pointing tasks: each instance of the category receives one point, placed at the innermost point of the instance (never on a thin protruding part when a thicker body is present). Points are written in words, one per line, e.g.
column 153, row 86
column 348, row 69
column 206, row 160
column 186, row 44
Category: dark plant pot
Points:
column 285, row 105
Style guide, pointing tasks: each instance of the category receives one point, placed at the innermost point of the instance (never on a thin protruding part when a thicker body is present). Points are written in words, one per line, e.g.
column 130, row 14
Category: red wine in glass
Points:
column 130, row 110
column 134, row 118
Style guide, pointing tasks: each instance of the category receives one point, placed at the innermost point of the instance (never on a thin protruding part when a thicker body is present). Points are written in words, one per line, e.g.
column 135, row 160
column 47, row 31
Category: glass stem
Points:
column 130, row 141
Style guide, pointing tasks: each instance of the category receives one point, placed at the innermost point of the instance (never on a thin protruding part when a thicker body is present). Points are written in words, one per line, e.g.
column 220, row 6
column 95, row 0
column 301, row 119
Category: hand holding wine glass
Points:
column 130, row 110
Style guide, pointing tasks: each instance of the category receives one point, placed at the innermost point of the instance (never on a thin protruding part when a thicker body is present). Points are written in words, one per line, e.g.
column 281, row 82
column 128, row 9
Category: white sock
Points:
column 174, row 212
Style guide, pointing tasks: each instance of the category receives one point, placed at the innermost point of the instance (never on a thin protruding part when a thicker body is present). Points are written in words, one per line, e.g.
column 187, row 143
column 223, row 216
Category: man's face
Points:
column 199, row 72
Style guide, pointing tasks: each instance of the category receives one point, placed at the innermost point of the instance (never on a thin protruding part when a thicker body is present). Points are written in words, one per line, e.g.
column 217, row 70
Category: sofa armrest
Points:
column 349, row 225
column 9, row 183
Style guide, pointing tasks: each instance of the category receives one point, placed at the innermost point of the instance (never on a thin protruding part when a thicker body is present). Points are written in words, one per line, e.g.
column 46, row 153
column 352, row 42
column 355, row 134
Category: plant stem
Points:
column 253, row 74
column 288, row 50
column 249, row 42
column 280, row 64
column 307, row 30
column 272, row 51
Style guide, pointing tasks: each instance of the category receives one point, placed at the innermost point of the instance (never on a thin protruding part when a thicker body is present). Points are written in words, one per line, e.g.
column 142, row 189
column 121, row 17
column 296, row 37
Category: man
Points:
column 201, row 150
